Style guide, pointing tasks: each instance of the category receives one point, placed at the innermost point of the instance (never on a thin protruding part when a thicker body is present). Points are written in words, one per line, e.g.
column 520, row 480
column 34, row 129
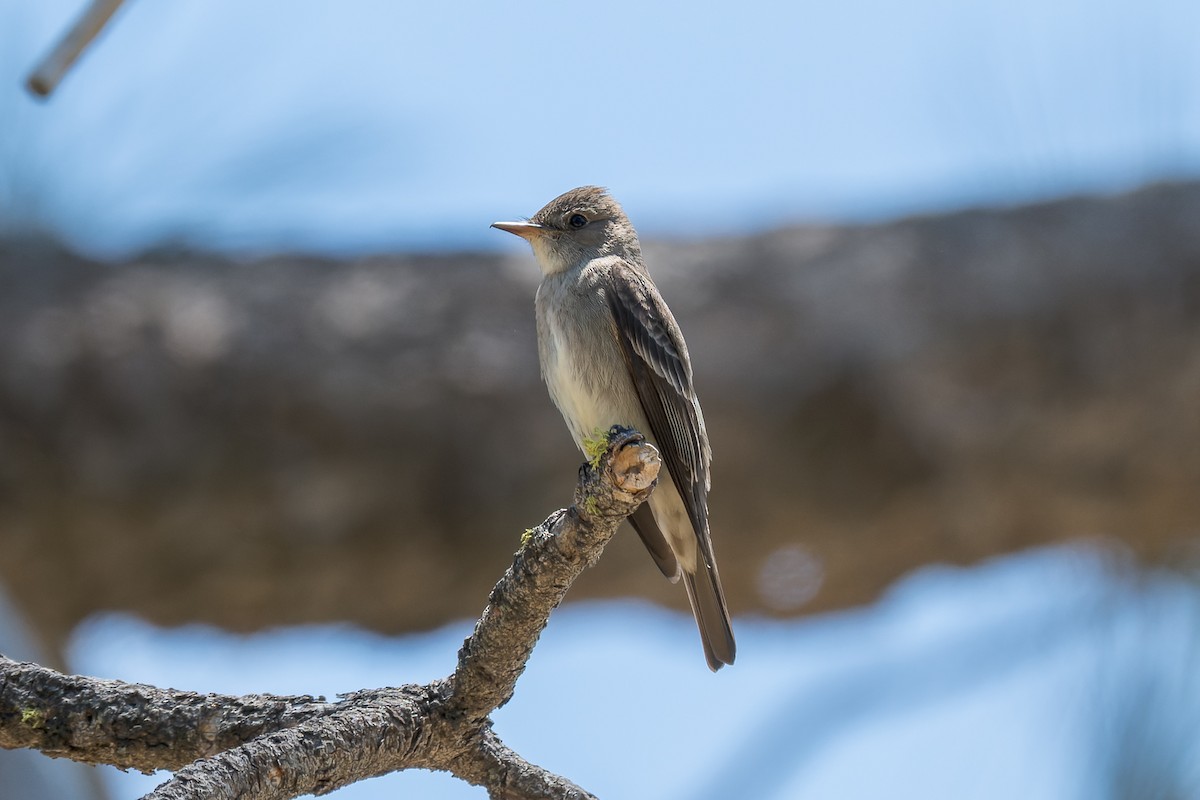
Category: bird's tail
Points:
column 712, row 615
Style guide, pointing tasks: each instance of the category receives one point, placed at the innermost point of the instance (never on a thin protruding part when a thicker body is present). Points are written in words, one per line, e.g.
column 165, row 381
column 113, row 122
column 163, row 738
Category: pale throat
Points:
column 549, row 257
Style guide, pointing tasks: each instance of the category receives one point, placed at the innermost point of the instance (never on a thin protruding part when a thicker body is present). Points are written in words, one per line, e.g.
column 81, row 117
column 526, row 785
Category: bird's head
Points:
column 576, row 227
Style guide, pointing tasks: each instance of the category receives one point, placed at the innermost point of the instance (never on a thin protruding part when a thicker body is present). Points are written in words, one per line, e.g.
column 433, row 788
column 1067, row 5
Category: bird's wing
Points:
column 658, row 362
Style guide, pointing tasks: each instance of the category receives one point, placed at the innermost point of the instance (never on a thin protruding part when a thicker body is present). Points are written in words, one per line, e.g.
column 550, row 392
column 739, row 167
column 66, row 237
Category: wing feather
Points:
column 662, row 375
column 657, row 359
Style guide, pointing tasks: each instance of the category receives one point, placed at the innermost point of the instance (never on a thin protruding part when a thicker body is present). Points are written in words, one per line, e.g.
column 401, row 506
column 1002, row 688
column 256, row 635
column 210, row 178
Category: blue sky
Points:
column 370, row 125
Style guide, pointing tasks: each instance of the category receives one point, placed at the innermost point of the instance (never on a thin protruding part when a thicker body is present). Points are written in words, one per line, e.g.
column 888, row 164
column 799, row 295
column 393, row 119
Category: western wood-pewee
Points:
column 612, row 354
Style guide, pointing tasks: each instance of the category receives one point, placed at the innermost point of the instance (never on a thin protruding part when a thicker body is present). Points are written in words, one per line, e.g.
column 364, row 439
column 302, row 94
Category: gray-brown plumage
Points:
column 612, row 354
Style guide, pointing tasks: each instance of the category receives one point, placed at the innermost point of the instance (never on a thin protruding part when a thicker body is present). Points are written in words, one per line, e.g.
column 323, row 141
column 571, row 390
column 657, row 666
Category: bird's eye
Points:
column 577, row 221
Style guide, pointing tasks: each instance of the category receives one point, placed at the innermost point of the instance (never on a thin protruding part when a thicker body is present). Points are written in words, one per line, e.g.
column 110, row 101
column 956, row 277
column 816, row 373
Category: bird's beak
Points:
column 526, row 230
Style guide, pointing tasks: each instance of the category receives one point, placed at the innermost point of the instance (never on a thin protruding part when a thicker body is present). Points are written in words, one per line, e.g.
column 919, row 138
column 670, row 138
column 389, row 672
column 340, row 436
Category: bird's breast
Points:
column 582, row 364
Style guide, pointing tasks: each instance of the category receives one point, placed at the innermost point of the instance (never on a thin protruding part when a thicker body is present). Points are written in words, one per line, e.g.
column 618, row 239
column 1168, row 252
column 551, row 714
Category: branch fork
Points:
column 265, row 747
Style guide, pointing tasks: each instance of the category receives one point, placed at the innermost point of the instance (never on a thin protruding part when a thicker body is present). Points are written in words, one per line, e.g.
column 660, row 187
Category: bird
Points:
column 611, row 353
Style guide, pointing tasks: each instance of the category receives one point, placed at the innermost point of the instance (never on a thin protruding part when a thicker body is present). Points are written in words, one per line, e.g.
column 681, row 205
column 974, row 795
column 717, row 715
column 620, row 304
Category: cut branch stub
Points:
column 623, row 478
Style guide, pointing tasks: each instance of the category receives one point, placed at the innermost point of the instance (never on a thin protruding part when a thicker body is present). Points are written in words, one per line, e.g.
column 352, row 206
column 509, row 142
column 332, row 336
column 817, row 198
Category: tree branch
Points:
column 554, row 555
column 54, row 66
column 507, row 776
column 368, row 734
column 262, row 747
column 131, row 725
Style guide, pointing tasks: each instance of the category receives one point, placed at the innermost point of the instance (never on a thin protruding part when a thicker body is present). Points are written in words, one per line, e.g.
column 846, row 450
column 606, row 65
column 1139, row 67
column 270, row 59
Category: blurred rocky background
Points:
column 295, row 439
